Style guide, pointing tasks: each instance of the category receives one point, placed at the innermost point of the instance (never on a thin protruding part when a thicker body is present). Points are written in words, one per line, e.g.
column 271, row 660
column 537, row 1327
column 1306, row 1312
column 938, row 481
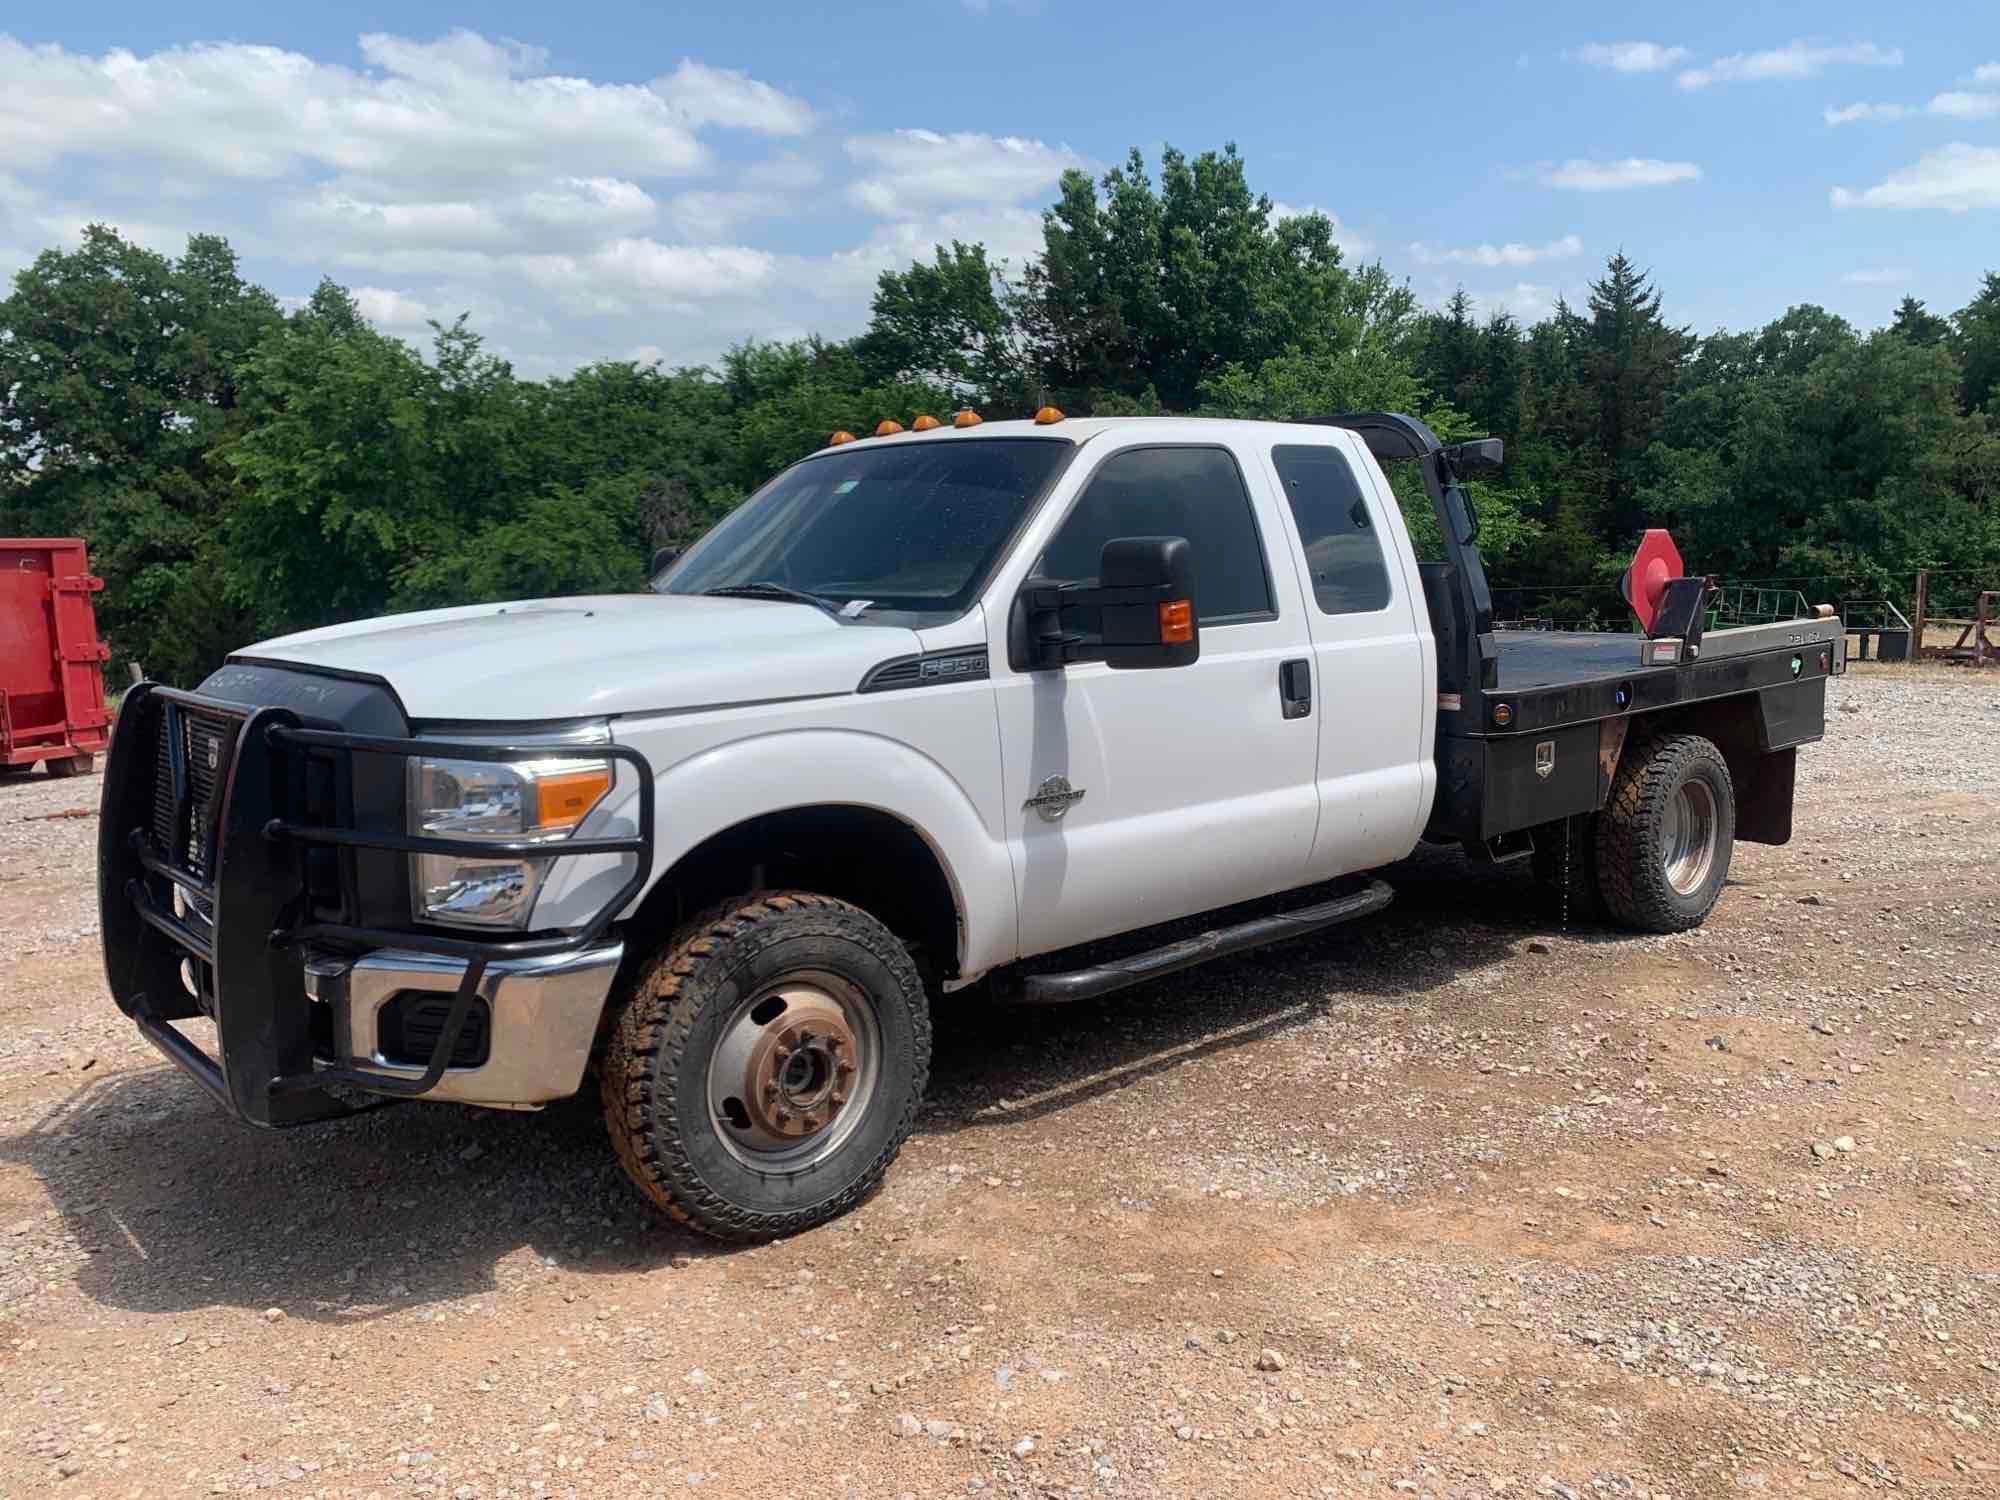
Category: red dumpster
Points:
column 51, row 685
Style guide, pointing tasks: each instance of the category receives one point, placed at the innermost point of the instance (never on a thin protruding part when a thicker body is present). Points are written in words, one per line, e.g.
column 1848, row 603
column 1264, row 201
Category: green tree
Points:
column 1140, row 288
column 1919, row 326
column 1976, row 337
column 1631, row 357
column 120, row 385
column 941, row 323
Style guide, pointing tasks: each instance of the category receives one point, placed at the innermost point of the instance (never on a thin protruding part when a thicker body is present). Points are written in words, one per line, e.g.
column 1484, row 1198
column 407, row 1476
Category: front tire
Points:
column 1665, row 838
column 767, row 1067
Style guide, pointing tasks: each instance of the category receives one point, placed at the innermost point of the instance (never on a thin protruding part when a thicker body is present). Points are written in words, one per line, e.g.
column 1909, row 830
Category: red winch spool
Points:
column 1656, row 564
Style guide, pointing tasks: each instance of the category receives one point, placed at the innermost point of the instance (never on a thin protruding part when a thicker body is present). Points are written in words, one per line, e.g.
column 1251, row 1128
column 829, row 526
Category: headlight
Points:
column 540, row 801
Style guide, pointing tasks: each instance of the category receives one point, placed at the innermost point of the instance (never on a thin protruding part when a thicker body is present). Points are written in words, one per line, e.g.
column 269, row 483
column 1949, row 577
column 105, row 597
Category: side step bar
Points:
column 1101, row 979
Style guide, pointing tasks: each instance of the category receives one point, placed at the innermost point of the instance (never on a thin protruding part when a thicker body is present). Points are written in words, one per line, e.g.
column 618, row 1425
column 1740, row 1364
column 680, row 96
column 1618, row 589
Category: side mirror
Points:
column 663, row 559
column 1480, row 456
column 1144, row 594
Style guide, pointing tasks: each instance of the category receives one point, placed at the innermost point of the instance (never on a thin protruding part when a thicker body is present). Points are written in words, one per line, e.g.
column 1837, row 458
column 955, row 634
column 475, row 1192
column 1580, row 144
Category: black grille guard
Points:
column 228, row 897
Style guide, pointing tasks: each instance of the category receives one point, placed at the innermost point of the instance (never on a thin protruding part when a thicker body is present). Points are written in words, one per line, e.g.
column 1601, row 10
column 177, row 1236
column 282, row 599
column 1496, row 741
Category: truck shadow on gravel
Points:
column 996, row 1064
column 176, row 1207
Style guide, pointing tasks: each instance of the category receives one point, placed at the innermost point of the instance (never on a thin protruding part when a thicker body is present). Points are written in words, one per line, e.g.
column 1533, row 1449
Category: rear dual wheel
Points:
column 1657, row 856
column 1665, row 838
column 767, row 1067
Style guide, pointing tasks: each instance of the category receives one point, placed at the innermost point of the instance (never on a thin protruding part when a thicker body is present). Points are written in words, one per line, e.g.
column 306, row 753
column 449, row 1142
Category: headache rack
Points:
column 219, row 860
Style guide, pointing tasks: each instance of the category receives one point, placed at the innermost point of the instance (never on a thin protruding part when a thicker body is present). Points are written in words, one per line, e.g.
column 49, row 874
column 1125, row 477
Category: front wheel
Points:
column 767, row 1067
column 1665, row 838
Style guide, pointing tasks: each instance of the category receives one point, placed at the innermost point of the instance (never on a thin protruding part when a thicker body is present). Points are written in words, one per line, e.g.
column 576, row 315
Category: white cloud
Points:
column 627, row 275
column 914, row 170
column 1965, row 106
column 1526, row 301
column 1877, row 276
column 1628, row 57
column 1800, row 59
column 1354, row 245
column 722, row 96
column 1496, row 255
column 1848, row 114
column 461, row 108
column 1956, row 105
column 1957, row 178
column 1584, row 176
column 1986, row 73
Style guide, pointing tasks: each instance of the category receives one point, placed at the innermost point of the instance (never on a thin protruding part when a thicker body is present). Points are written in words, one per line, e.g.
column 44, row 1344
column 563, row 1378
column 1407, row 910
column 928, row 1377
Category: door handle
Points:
column 1295, row 688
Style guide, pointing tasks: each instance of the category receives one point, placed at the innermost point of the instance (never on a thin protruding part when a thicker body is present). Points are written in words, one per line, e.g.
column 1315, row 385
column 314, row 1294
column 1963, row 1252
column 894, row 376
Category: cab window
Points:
column 1343, row 553
column 1197, row 493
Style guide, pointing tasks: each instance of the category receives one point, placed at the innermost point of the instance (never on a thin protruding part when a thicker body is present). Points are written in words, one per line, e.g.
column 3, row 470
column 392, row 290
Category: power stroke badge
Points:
column 1053, row 799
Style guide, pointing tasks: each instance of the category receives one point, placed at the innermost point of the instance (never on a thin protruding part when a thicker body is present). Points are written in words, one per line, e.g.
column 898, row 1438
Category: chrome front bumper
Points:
column 544, row 1015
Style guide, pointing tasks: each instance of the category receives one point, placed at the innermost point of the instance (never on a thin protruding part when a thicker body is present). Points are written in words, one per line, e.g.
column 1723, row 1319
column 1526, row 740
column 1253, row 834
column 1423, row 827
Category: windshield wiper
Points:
column 765, row 589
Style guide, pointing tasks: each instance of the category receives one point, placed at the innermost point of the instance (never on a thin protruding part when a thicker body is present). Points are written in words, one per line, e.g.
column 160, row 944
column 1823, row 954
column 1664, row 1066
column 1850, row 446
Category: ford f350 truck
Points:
column 1006, row 701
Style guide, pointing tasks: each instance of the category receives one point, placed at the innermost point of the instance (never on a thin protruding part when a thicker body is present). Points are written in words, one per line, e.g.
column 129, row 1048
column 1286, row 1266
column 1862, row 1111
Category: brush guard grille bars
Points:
column 221, row 860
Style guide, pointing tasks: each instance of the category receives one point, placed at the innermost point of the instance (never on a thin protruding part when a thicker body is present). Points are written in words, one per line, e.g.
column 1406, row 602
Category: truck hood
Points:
column 596, row 655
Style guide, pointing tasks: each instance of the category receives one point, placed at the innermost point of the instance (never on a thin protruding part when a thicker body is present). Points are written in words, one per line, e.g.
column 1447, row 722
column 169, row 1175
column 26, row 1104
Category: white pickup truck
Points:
column 931, row 708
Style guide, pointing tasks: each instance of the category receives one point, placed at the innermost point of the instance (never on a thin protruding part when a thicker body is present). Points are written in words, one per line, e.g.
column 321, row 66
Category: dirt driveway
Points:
column 1451, row 1203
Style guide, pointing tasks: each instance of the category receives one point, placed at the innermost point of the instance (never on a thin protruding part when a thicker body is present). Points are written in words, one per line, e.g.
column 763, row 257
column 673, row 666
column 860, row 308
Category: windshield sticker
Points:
column 845, row 485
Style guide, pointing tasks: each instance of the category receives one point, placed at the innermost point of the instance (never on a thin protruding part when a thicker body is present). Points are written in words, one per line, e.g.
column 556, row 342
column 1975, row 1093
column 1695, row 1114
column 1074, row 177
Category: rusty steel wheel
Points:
column 767, row 1065
column 795, row 1071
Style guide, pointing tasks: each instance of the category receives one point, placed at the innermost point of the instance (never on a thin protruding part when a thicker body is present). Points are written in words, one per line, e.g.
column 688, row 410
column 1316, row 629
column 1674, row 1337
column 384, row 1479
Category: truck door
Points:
column 1373, row 657
column 1135, row 797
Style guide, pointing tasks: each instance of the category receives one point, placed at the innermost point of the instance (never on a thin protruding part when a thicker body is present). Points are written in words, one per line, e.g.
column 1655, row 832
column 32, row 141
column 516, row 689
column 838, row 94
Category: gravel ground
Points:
column 1451, row 1203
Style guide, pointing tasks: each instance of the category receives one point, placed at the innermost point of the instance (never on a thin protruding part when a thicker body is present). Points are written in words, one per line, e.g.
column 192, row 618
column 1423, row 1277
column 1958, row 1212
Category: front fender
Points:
column 727, row 784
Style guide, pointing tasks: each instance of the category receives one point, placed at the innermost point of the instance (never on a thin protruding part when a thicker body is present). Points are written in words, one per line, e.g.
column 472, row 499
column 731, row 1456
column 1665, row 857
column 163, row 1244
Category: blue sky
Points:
column 659, row 180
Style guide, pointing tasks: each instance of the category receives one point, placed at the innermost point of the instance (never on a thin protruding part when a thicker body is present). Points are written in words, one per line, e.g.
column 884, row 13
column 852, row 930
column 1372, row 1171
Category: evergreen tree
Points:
column 1922, row 328
column 1632, row 357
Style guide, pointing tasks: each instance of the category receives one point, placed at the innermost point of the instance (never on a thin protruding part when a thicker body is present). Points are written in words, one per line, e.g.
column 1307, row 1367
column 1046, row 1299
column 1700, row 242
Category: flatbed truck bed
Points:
column 1540, row 744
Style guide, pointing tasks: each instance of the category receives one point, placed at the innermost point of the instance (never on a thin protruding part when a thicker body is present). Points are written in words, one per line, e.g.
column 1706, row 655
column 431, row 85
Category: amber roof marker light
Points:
column 967, row 418
column 925, row 423
column 888, row 427
column 842, row 436
column 1047, row 416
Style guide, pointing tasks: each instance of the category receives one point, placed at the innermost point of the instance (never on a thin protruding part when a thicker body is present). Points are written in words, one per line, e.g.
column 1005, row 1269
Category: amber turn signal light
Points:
column 1176, row 622
column 966, row 418
column 563, row 800
column 925, row 423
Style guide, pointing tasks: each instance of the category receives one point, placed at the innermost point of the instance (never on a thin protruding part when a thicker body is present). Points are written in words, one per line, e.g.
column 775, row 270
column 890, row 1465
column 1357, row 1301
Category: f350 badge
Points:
column 1053, row 798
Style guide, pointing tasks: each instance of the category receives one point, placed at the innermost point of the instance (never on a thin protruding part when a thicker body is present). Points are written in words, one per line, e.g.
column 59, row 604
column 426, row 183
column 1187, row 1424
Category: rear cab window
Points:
column 1350, row 574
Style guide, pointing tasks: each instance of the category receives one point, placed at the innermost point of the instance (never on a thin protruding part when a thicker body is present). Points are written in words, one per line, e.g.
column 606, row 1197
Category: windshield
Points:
column 910, row 526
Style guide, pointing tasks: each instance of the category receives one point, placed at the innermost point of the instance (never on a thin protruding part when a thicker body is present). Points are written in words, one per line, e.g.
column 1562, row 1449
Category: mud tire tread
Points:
column 1631, row 877
column 652, row 1035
